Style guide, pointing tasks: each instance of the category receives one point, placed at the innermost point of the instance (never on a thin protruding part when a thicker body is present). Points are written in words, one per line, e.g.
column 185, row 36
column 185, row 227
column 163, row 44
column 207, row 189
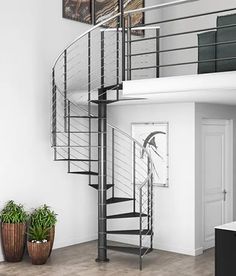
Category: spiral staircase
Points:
column 87, row 77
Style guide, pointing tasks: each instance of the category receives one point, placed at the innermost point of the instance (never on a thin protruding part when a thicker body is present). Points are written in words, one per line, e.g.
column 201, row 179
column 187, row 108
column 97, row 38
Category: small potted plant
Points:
column 38, row 244
column 13, row 228
column 46, row 218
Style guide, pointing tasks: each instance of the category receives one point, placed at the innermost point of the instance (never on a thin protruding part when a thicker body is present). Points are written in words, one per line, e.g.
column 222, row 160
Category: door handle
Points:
column 225, row 193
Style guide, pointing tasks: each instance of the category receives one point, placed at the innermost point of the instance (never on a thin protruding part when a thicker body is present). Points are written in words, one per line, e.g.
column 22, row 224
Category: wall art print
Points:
column 104, row 9
column 95, row 11
column 154, row 137
column 78, row 10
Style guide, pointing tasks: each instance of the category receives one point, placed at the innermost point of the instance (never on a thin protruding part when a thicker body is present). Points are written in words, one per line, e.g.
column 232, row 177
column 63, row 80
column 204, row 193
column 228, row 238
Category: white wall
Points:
column 32, row 35
column 174, row 206
column 210, row 111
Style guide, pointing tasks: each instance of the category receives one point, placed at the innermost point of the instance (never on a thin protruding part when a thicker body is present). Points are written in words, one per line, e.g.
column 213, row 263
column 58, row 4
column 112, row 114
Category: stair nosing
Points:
column 78, row 160
column 119, row 200
column 126, row 215
column 85, row 172
column 129, row 232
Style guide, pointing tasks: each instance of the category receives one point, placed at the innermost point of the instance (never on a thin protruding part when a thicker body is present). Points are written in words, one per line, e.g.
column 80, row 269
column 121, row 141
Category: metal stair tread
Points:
column 83, row 117
column 103, row 101
column 71, row 146
column 62, row 132
column 130, row 232
column 118, row 199
column 95, row 186
column 78, row 160
column 85, row 172
column 126, row 215
column 84, row 131
column 111, row 87
column 129, row 249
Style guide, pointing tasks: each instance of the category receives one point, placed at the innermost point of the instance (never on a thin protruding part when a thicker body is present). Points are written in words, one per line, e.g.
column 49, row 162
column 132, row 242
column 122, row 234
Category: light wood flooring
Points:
column 78, row 260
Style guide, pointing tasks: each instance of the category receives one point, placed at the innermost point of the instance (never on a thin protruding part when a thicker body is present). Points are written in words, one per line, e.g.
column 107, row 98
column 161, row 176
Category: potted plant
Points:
column 38, row 244
column 46, row 218
column 13, row 228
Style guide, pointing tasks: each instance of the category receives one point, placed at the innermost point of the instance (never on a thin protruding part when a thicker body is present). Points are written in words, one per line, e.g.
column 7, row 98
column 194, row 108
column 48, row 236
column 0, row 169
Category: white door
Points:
column 216, row 177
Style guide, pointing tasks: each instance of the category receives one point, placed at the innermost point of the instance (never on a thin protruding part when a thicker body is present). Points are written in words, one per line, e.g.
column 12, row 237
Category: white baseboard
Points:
column 1, row 257
column 162, row 246
column 179, row 249
column 61, row 244
column 198, row 251
column 130, row 240
column 67, row 243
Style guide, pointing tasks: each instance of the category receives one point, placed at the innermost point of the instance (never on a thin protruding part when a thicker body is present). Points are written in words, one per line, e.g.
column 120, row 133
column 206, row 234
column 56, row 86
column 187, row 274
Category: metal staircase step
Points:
column 85, row 172
column 130, row 250
column 103, row 101
column 95, row 186
column 111, row 87
column 83, row 117
column 118, row 199
column 71, row 146
column 78, row 160
column 130, row 232
column 84, row 131
column 126, row 215
column 62, row 132
column 114, row 101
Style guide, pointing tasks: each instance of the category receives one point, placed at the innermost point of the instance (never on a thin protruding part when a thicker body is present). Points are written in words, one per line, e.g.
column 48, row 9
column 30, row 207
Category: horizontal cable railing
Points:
column 186, row 45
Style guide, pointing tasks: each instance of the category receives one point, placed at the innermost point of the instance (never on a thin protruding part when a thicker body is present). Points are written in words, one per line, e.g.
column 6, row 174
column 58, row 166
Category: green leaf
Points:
column 13, row 213
column 44, row 217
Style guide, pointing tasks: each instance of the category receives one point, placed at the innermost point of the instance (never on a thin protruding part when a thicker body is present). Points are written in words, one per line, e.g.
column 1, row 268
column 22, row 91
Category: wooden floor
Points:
column 79, row 260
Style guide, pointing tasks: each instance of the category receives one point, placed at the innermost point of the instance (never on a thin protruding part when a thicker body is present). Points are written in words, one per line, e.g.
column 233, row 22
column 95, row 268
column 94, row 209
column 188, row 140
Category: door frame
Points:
column 228, row 123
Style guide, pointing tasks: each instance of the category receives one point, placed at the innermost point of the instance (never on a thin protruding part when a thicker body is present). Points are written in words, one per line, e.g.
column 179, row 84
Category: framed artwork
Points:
column 78, row 10
column 96, row 11
column 154, row 137
column 107, row 8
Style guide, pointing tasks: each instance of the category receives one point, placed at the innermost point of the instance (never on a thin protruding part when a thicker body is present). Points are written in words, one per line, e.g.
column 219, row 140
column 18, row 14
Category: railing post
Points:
column 117, row 58
column 68, row 116
column 89, row 105
column 140, row 227
column 134, row 176
column 152, row 209
column 129, row 51
column 122, row 26
column 113, row 162
column 157, row 53
column 148, row 191
column 54, row 114
column 102, row 166
column 65, row 90
column 102, row 58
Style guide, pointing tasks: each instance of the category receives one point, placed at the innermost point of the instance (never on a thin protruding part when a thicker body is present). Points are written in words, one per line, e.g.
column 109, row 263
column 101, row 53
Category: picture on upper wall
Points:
column 78, row 10
column 154, row 138
column 104, row 9
column 82, row 11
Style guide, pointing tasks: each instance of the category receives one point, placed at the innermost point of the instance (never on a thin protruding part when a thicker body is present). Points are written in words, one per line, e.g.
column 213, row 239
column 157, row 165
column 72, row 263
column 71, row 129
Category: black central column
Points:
column 102, row 165
column 102, row 182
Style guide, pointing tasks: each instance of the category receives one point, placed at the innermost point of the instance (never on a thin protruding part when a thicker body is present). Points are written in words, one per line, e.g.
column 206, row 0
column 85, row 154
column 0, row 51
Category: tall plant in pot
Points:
column 38, row 245
column 13, row 228
column 45, row 218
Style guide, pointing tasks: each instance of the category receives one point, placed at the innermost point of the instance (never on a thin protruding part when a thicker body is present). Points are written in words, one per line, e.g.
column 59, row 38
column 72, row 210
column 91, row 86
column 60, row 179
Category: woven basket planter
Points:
column 51, row 239
column 13, row 241
column 38, row 252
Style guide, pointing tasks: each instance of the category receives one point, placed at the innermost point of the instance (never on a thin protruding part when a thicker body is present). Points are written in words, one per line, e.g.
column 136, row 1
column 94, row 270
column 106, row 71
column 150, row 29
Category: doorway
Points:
column 217, row 177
